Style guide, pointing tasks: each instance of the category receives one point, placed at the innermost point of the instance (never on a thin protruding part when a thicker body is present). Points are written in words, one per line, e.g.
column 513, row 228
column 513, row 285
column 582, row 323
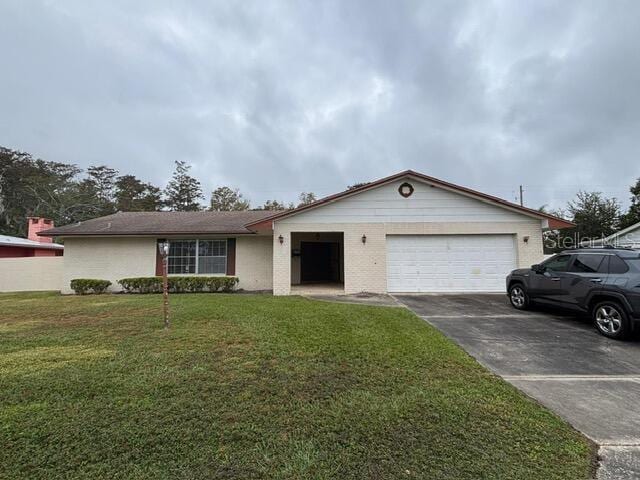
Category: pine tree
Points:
column 183, row 191
column 98, row 189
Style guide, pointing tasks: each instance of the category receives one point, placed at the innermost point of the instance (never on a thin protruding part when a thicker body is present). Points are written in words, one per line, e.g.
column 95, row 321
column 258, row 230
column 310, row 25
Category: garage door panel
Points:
column 449, row 263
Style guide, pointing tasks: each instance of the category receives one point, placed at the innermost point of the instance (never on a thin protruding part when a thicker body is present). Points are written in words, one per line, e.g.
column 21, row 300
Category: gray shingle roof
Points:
column 162, row 223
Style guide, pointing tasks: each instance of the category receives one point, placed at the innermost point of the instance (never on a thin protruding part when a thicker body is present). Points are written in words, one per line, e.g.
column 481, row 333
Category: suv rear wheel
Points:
column 610, row 319
column 518, row 296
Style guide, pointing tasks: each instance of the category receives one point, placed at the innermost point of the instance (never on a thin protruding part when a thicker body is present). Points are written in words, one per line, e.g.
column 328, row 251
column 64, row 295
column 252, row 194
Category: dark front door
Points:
column 319, row 262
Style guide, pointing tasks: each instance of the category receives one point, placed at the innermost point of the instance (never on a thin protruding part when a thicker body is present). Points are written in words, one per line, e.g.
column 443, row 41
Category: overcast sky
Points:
column 280, row 97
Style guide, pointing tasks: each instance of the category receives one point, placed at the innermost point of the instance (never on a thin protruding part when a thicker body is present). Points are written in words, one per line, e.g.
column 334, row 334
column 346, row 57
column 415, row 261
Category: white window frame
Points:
column 197, row 264
column 226, row 254
column 182, row 256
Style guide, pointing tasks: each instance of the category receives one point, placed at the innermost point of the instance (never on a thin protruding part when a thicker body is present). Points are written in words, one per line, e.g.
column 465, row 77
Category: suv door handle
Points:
column 596, row 280
column 555, row 279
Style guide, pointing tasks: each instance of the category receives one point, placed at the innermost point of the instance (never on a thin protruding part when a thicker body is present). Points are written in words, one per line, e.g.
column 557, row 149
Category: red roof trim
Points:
column 554, row 222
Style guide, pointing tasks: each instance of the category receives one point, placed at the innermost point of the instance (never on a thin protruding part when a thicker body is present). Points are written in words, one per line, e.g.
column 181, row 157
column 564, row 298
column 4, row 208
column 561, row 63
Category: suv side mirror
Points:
column 537, row 268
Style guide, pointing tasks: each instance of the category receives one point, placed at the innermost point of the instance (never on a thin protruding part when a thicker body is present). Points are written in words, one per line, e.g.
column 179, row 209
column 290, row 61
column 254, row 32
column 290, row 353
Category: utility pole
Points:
column 521, row 201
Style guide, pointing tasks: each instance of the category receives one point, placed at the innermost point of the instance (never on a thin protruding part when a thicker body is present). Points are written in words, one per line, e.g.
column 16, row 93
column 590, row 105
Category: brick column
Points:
column 281, row 262
column 365, row 264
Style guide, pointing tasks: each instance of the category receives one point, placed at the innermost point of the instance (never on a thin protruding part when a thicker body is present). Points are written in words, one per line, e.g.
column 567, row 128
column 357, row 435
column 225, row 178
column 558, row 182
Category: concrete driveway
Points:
column 557, row 358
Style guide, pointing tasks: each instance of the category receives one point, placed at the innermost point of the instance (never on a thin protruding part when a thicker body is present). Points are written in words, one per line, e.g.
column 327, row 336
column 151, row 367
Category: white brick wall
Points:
column 263, row 263
column 108, row 259
column 281, row 262
column 365, row 264
column 254, row 262
column 120, row 257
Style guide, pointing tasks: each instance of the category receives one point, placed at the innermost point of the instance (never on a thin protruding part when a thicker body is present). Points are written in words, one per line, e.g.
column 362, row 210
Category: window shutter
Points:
column 231, row 256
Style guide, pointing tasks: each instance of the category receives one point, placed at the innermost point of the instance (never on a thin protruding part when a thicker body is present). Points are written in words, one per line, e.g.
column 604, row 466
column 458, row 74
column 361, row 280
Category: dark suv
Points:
column 604, row 282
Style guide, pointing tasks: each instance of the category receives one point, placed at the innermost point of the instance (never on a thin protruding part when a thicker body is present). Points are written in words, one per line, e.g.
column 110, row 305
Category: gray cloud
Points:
column 280, row 97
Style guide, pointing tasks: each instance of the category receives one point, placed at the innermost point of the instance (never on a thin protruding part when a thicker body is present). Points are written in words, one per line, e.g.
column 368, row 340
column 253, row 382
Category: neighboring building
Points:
column 32, row 246
column 403, row 233
column 629, row 237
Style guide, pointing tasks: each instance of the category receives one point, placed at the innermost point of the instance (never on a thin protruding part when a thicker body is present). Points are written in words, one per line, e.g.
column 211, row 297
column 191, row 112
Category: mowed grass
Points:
column 257, row 387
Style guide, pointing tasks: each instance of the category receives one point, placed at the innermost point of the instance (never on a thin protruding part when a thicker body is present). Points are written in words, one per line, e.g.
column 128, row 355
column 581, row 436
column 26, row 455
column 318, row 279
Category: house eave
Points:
column 145, row 234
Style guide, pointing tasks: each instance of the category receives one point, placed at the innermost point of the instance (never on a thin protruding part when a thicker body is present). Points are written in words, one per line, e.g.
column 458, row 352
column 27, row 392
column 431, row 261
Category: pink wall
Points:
column 13, row 252
column 16, row 252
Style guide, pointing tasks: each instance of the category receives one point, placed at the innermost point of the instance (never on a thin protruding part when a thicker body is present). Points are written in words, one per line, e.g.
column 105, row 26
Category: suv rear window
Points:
column 617, row 265
column 589, row 263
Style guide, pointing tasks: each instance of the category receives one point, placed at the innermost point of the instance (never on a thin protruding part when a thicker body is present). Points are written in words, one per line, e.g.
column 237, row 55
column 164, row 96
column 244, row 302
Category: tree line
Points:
column 595, row 215
column 68, row 194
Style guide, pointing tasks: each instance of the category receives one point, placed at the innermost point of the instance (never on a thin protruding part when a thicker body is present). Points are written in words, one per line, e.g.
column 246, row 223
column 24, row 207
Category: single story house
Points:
column 32, row 246
column 404, row 233
column 628, row 237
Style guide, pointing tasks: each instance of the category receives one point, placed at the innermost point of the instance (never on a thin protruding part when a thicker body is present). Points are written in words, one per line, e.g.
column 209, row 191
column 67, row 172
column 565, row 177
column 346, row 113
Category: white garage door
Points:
column 449, row 263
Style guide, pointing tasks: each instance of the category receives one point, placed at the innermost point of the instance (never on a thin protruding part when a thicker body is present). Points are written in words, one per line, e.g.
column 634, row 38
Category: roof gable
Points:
column 426, row 204
column 553, row 222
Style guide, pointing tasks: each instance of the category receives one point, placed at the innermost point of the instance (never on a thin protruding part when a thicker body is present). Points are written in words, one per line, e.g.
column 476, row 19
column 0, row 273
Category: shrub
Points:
column 82, row 286
column 141, row 284
column 186, row 284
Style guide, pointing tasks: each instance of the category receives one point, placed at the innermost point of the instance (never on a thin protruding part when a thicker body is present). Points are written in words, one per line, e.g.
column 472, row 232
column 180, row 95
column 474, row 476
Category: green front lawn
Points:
column 255, row 387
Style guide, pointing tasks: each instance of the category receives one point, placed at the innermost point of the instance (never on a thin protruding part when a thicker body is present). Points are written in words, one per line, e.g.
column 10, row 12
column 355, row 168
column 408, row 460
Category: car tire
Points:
column 611, row 320
column 518, row 296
